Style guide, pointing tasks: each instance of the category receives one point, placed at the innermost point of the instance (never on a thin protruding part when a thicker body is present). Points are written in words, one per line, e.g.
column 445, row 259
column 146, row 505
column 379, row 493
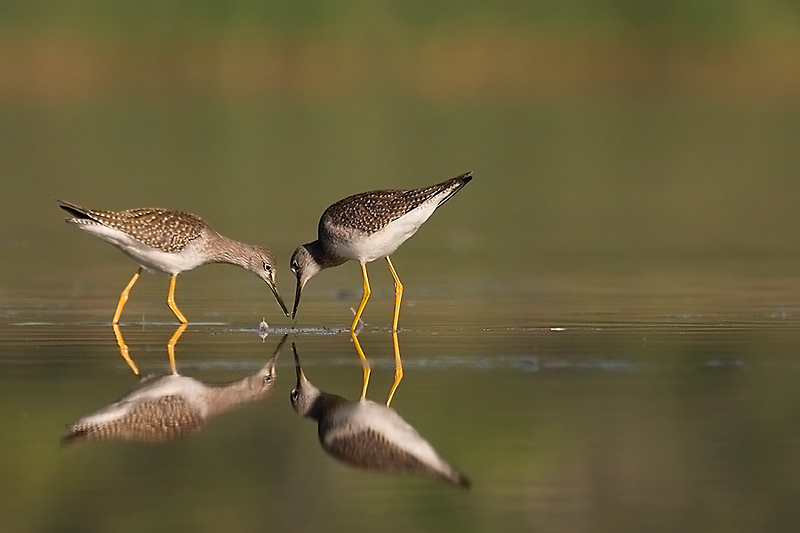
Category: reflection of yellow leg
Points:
column 398, row 294
column 171, row 346
column 361, row 307
column 171, row 301
column 364, row 299
column 364, row 363
column 124, row 296
column 398, row 368
column 123, row 349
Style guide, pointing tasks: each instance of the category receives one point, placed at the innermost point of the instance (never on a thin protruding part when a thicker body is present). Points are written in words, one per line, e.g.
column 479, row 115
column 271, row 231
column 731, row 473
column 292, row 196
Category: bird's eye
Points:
column 295, row 395
column 295, row 266
column 267, row 267
column 267, row 378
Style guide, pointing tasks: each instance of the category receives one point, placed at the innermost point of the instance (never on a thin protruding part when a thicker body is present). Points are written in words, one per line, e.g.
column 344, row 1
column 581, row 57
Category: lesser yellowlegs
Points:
column 365, row 227
column 172, row 242
column 162, row 408
column 368, row 435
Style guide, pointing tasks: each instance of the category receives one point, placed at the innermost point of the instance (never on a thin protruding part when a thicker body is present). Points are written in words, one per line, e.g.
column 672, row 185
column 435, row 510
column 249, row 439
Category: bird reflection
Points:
column 398, row 368
column 368, row 435
column 125, row 353
column 162, row 408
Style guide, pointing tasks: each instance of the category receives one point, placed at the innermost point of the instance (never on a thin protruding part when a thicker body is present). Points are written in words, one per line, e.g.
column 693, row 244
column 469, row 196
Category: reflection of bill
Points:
column 368, row 435
column 163, row 408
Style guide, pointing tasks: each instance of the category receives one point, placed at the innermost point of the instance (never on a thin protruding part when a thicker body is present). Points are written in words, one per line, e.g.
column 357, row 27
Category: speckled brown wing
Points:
column 368, row 212
column 370, row 450
column 161, row 419
column 166, row 230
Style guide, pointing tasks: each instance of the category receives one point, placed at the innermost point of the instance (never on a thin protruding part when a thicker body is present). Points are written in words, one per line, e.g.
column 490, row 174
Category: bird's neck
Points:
column 226, row 250
column 323, row 404
column 222, row 398
column 324, row 256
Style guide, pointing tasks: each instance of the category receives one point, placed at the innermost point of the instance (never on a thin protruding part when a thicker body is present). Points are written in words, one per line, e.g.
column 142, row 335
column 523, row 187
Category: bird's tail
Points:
column 451, row 186
column 439, row 193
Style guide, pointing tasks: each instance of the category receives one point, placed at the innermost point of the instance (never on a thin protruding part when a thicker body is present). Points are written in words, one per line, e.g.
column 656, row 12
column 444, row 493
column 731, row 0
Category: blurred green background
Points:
column 636, row 163
column 590, row 126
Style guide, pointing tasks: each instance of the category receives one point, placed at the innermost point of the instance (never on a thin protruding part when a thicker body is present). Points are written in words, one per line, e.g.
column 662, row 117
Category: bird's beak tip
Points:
column 281, row 303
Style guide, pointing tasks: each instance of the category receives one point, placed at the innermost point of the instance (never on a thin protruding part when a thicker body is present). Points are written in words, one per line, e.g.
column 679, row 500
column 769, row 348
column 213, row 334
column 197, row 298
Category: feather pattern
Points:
column 163, row 229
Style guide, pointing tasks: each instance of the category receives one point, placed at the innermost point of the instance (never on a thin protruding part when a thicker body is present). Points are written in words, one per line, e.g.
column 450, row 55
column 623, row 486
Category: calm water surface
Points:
column 569, row 408
column 602, row 342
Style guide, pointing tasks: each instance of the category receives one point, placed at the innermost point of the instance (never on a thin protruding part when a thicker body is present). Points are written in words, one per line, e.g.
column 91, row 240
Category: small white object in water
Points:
column 558, row 329
column 263, row 329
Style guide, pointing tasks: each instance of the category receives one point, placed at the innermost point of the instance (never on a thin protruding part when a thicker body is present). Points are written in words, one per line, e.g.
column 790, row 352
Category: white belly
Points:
column 150, row 258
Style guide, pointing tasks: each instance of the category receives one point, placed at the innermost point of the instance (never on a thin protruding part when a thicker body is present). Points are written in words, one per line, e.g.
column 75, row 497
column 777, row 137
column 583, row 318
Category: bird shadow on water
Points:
column 169, row 406
column 368, row 435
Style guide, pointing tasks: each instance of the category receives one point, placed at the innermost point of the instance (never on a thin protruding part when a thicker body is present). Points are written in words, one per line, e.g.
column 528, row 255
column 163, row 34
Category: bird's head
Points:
column 262, row 264
column 304, row 266
column 304, row 396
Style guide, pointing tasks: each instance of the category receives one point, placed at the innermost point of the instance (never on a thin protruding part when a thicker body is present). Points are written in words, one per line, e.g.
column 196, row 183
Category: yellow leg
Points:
column 364, row 363
column 123, row 349
column 398, row 365
column 171, row 301
column 361, row 307
column 364, row 299
column 124, row 296
column 398, row 368
column 171, row 346
column 398, row 294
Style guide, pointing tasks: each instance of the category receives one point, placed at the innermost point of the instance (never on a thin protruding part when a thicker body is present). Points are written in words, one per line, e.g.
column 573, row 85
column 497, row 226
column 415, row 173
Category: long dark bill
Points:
column 297, row 364
column 297, row 292
column 274, row 290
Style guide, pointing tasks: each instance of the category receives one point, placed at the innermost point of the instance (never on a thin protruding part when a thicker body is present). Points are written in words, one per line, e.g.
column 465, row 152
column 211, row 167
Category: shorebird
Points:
column 167, row 407
column 172, row 242
column 368, row 435
column 365, row 227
